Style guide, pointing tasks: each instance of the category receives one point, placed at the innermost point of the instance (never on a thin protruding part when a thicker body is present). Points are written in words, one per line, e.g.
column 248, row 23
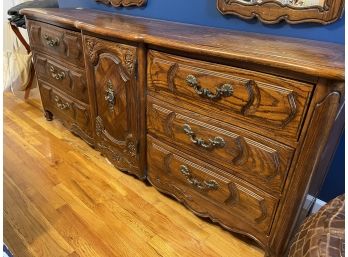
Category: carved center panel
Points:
column 113, row 67
column 111, row 95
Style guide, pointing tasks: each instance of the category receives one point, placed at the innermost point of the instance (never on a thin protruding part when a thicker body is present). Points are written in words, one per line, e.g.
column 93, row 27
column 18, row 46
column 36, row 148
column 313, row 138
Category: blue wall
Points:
column 204, row 12
column 334, row 182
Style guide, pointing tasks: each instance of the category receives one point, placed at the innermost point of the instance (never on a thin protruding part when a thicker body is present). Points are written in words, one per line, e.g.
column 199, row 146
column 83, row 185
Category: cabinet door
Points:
column 112, row 77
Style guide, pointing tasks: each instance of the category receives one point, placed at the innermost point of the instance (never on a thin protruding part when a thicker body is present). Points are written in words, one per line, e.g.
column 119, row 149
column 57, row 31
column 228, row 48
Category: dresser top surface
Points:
column 312, row 58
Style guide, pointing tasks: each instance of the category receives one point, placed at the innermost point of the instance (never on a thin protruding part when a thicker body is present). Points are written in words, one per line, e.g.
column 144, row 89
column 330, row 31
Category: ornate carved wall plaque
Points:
column 117, row 3
column 292, row 11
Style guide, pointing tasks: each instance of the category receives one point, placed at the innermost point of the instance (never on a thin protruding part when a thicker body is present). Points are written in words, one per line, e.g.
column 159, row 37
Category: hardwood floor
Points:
column 62, row 198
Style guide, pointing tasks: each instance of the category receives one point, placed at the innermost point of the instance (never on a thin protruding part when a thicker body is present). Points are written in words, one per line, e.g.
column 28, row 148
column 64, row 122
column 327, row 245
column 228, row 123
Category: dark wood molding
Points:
column 118, row 3
column 271, row 12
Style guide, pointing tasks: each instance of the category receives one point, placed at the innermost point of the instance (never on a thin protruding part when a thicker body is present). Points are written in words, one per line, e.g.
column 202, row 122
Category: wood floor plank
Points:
column 32, row 226
column 162, row 247
column 80, row 236
column 62, row 198
column 123, row 244
column 28, row 172
column 14, row 242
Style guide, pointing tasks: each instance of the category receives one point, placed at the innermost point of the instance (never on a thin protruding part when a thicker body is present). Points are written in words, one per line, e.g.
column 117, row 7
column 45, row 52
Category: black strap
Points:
column 18, row 20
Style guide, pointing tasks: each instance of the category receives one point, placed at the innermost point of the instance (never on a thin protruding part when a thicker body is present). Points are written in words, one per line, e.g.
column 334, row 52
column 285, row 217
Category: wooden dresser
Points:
column 238, row 127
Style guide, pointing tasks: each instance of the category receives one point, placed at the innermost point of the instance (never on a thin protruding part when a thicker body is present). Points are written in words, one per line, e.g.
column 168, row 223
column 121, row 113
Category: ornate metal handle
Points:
column 217, row 142
column 57, row 75
column 110, row 95
column 223, row 91
column 50, row 41
column 201, row 185
column 60, row 103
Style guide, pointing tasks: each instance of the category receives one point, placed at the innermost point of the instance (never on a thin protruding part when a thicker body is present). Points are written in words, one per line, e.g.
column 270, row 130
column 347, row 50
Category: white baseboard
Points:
column 317, row 204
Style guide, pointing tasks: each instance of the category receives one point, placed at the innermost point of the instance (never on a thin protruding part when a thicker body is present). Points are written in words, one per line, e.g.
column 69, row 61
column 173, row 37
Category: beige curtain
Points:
column 16, row 60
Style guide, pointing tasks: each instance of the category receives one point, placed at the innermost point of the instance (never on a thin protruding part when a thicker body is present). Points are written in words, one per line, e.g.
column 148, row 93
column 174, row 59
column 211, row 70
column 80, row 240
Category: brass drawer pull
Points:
column 57, row 75
column 110, row 95
column 223, row 91
column 201, row 185
column 217, row 142
column 50, row 41
column 60, row 103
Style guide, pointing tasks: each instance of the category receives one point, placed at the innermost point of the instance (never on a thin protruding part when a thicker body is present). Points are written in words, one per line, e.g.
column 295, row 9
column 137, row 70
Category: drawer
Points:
column 209, row 191
column 265, row 104
column 258, row 160
column 61, row 43
column 62, row 76
column 74, row 114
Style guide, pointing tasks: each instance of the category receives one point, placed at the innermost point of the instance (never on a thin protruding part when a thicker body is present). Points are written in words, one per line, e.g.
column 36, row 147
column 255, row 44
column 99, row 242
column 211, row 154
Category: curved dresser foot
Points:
column 48, row 115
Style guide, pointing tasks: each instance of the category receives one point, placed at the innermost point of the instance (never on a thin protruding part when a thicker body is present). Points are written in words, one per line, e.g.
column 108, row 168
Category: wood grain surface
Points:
column 61, row 43
column 256, row 159
column 272, row 106
column 210, row 192
column 62, row 198
column 62, row 75
column 75, row 115
column 111, row 69
column 273, row 100
column 306, row 57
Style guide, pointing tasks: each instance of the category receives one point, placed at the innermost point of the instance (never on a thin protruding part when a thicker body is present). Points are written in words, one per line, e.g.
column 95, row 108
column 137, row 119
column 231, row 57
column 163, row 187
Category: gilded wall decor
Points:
column 292, row 11
column 117, row 3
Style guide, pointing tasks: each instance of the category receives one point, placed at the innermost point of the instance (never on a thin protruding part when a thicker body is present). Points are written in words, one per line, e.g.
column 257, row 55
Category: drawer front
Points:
column 74, row 114
column 64, row 77
column 209, row 191
column 61, row 43
column 258, row 160
column 263, row 103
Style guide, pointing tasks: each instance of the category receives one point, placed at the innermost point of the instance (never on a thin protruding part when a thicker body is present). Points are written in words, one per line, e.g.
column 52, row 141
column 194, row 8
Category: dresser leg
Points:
column 48, row 115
